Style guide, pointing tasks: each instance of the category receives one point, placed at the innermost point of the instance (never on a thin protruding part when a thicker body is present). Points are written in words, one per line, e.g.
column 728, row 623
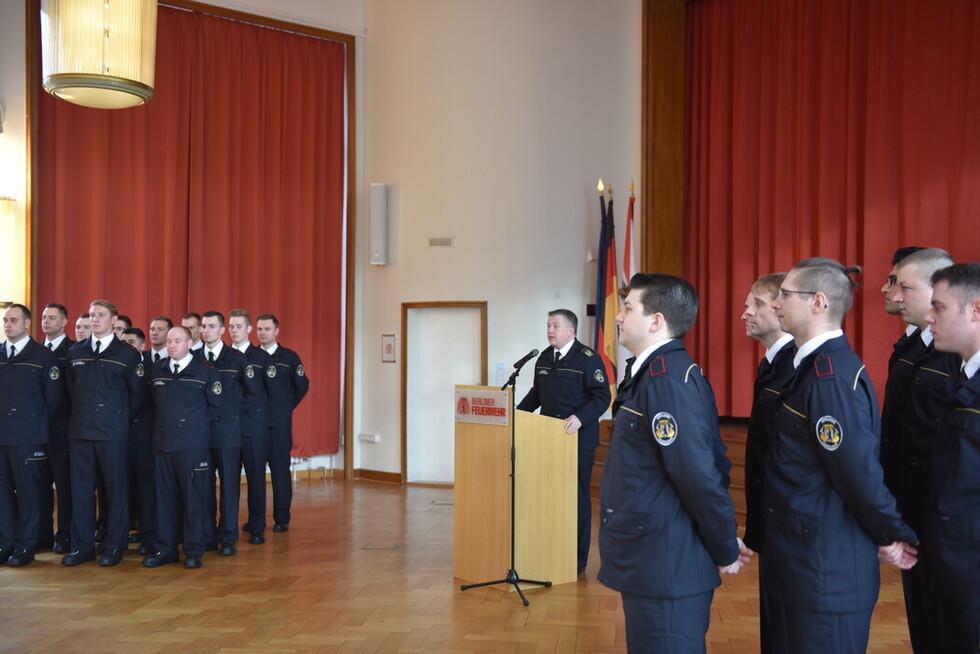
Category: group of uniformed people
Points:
column 833, row 486
column 145, row 432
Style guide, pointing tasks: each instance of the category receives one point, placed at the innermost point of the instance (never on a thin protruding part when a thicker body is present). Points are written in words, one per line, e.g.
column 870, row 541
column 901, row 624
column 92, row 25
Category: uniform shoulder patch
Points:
column 657, row 367
column 599, row 377
column 664, row 428
column 140, row 371
column 216, row 388
column 830, row 434
column 54, row 374
column 587, row 352
column 300, row 371
column 249, row 372
column 823, row 366
column 270, row 372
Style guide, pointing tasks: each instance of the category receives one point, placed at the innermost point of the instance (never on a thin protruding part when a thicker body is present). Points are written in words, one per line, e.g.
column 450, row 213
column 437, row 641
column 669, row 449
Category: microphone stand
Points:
column 512, row 577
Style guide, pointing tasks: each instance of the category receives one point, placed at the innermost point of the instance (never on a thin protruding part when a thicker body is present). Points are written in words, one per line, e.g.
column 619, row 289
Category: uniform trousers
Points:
column 227, row 463
column 667, row 625
column 87, row 459
column 254, row 454
column 959, row 627
column 805, row 631
column 182, row 488
column 586, row 459
column 280, row 445
column 61, row 476
column 145, row 487
column 20, row 491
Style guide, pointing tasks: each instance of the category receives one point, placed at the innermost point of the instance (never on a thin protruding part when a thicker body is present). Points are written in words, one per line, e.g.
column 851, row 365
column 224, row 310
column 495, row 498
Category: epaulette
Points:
column 587, row 352
column 657, row 366
column 823, row 367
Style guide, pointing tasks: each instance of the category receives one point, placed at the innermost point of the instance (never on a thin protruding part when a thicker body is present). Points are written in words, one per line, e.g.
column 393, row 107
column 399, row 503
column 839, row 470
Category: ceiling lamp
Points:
column 99, row 53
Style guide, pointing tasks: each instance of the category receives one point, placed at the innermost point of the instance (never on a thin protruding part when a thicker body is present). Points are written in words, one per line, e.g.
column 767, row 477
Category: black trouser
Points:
column 254, row 454
column 112, row 459
column 280, row 445
column 182, row 484
column 20, row 491
column 227, row 463
column 144, row 485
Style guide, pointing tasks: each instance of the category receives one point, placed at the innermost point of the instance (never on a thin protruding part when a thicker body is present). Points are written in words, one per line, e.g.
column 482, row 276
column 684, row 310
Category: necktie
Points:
column 764, row 366
column 176, row 369
column 557, row 356
column 211, row 356
column 50, row 346
column 156, row 357
column 13, row 352
column 98, row 346
column 629, row 372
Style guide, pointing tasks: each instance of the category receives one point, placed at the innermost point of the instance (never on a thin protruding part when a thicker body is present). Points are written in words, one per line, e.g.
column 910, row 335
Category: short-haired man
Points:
column 159, row 327
column 54, row 319
column 192, row 321
column 83, row 327
column 952, row 535
column 255, row 431
column 888, row 288
column 570, row 384
column 667, row 522
column 105, row 382
column 134, row 338
column 239, row 384
column 187, row 398
column 121, row 325
column 774, row 372
column 830, row 518
column 919, row 383
column 30, row 391
column 287, row 386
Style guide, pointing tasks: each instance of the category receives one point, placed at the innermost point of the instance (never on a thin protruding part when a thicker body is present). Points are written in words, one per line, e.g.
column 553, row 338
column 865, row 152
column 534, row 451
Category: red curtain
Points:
column 837, row 128
column 225, row 191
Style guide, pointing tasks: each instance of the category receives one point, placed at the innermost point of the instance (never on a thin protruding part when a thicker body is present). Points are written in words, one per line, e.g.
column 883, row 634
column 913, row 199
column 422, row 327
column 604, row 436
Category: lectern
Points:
column 545, row 491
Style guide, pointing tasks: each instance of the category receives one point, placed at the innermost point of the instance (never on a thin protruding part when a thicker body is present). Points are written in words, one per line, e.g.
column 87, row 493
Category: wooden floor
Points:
column 366, row 567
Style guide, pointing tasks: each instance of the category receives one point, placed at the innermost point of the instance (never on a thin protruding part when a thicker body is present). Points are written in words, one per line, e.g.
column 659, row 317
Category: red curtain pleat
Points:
column 225, row 191
column 838, row 128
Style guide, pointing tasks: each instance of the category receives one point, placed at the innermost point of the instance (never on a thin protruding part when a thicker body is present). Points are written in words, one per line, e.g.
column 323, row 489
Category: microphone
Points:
column 527, row 357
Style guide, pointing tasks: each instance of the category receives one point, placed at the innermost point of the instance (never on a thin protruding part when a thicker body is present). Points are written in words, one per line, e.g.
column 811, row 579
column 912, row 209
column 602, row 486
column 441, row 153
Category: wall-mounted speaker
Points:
column 379, row 225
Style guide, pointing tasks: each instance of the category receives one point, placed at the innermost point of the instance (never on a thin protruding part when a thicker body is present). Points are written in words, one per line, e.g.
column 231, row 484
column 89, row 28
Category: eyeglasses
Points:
column 784, row 292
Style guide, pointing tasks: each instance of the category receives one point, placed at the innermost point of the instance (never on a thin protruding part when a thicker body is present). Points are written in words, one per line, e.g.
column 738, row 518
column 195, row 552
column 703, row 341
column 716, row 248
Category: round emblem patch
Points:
column 829, row 433
column 54, row 374
column 599, row 377
column 249, row 372
column 216, row 388
column 299, row 370
column 139, row 370
column 664, row 428
column 270, row 372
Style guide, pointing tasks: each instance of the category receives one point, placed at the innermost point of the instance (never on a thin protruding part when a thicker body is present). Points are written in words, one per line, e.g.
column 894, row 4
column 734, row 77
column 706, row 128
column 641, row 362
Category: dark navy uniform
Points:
column 827, row 507
column 666, row 519
column 238, row 382
column 287, row 384
column 30, row 393
column 920, row 382
column 186, row 405
column 953, row 531
column 58, row 470
column 255, row 438
column 574, row 385
column 106, row 389
column 141, row 463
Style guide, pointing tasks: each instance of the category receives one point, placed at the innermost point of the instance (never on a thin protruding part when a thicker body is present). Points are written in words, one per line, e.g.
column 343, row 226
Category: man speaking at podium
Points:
column 570, row 383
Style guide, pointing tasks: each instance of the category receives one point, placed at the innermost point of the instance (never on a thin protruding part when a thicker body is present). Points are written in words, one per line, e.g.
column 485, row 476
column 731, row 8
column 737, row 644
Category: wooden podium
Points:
column 545, row 515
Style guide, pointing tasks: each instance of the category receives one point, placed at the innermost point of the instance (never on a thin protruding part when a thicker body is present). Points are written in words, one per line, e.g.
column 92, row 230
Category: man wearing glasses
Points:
column 830, row 518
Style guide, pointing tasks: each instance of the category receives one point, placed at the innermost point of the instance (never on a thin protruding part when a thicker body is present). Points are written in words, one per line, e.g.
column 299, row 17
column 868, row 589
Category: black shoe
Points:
column 77, row 558
column 158, row 559
column 5, row 553
column 227, row 549
column 192, row 562
column 256, row 539
column 246, row 528
column 145, row 550
column 280, row 527
column 61, row 547
column 110, row 558
column 20, row 558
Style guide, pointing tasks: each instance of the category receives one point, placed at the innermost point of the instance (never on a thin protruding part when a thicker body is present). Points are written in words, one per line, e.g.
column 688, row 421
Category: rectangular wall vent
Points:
column 442, row 241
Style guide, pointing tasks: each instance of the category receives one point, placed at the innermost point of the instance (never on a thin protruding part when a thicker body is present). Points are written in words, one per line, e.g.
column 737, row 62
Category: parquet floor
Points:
column 366, row 567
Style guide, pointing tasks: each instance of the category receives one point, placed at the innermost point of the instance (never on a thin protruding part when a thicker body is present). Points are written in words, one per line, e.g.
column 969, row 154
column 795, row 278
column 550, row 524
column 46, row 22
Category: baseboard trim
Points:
column 378, row 475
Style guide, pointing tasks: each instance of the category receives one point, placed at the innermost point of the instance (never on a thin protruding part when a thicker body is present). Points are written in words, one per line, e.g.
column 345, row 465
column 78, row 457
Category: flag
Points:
column 629, row 269
column 607, row 298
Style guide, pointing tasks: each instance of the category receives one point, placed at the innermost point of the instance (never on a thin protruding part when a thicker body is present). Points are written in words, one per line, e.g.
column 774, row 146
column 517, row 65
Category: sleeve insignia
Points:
column 54, row 374
column 664, row 428
column 657, row 366
column 599, row 377
column 249, row 372
column 270, row 372
column 216, row 388
column 829, row 433
column 299, row 370
column 587, row 352
column 139, row 370
column 823, row 366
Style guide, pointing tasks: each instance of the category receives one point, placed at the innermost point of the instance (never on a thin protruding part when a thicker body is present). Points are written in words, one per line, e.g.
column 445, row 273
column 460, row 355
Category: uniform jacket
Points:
column 666, row 519
column 105, row 390
column 769, row 385
column 255, row 408
column 287, row 383
column 30, row 392
column 186, row 406
column 59, row 419
column 576, row 385
column 954, row 527
column 141, row 424
column 238, row 382
column 827, row 507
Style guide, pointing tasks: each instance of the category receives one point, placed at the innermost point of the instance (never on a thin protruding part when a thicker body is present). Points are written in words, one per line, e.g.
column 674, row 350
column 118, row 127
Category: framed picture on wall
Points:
column 387, row 348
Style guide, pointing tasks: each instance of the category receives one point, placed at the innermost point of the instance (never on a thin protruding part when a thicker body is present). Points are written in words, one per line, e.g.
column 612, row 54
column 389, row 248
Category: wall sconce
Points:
column 13, row 260
column 99, row 53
